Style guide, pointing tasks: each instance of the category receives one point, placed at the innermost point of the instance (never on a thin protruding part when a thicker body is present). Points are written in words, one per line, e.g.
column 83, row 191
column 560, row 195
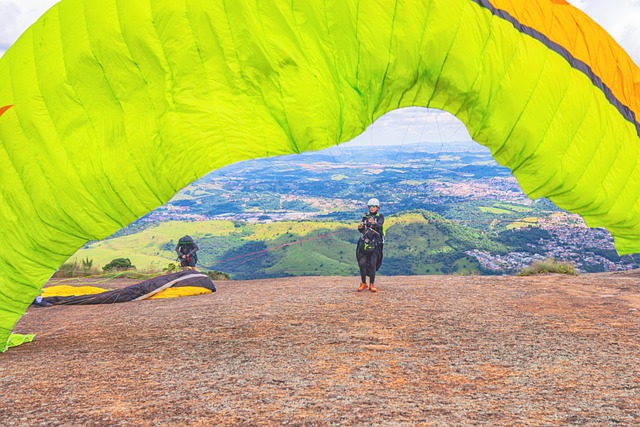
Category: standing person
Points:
column 369, row 248
column 186, row 249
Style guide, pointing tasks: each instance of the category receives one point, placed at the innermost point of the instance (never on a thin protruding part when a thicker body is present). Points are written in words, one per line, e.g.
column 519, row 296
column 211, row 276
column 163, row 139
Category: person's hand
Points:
column 371, row 220
column 360, row 226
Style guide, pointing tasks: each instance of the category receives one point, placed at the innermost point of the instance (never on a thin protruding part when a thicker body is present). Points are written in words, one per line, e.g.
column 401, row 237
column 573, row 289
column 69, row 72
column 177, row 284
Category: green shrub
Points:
column 68, row 269
column 87, row 265
column 119, row 264
column 467, row 272
column 549, row 265
column 131, row 274
column 172, row 267
column 217, row 275
column 74, row 269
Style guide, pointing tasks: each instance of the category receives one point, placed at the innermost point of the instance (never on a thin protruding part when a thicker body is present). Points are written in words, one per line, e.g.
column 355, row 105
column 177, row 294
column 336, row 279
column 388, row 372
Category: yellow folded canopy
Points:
column 67, row 291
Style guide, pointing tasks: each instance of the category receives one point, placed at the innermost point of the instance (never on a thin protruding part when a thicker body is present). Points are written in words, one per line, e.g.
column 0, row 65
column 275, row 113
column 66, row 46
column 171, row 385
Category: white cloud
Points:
column 412, row 125
column 16, row 16
column 580, row 4
column 621, row 19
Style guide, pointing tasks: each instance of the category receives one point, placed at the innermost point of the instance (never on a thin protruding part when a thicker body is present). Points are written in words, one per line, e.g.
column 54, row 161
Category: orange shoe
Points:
column 362, row 287
column 372, row 288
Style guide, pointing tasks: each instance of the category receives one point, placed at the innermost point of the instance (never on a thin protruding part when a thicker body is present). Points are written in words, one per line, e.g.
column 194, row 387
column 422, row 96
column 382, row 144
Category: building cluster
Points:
column 498, row 188
column 508, row 263
column 571, row 241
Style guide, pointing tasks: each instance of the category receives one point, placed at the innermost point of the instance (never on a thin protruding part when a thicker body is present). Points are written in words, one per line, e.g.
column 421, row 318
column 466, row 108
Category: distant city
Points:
column 459, row 181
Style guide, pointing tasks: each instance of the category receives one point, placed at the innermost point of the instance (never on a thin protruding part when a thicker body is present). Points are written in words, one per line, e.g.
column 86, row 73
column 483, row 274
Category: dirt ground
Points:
column 430, row 351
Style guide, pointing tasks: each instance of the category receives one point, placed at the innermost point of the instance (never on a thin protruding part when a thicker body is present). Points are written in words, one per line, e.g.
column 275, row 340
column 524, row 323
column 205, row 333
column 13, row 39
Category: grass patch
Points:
column 549, row 265
column 74, row 268
column 495, row 211
column 514, row 208
column 131, row 274
column 522, row 223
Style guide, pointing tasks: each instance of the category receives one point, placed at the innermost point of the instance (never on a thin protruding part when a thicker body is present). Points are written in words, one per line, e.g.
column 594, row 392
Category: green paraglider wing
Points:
column 116, row 105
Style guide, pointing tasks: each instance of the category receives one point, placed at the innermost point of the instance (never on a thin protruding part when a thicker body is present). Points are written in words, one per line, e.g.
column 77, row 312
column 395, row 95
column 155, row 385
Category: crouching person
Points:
column 186, row 250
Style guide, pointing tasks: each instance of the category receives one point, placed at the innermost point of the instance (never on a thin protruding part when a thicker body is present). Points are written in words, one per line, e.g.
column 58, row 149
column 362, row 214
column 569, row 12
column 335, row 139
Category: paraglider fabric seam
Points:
column 577, row 64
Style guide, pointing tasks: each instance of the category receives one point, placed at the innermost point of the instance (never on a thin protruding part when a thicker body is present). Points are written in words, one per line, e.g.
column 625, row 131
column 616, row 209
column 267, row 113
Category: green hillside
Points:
column 418, row 242
column 426, row 243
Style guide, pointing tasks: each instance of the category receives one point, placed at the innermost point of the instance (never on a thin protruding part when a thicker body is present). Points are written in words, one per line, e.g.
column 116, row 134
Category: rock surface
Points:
column 434, row 351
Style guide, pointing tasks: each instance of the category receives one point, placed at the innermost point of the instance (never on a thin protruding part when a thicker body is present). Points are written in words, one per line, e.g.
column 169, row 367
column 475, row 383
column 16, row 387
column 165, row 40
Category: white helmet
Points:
column 373, row 202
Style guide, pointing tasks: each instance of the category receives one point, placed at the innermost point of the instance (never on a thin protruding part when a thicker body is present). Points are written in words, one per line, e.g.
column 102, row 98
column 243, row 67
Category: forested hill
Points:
column 417, row 242
column 248, row 215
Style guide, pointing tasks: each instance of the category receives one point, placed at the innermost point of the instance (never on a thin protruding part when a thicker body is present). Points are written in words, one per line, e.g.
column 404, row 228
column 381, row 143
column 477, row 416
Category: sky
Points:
column 621, row 18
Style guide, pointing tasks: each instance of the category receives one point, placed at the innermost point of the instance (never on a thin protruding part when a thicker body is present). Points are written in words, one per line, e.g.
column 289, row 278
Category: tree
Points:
column 119, row 264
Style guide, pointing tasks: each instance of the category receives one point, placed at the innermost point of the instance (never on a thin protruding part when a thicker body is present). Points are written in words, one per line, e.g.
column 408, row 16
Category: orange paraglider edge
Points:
column 4, row 109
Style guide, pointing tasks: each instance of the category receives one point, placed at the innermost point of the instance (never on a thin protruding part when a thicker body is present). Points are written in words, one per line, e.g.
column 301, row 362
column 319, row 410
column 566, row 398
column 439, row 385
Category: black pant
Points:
column 368, row 263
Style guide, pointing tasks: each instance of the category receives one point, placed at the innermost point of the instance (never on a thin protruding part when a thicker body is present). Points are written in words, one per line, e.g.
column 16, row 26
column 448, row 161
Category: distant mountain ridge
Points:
column 416, row 243
column 459, row 182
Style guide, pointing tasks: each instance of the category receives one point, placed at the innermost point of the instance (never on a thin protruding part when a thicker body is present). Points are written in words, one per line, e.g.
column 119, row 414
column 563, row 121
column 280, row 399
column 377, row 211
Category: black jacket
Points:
column 378, row 231
column 188, row 249
column 377, row 226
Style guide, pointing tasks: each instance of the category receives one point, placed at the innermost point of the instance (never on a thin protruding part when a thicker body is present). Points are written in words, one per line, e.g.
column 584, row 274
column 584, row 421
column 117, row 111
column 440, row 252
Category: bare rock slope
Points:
column 433, row 351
